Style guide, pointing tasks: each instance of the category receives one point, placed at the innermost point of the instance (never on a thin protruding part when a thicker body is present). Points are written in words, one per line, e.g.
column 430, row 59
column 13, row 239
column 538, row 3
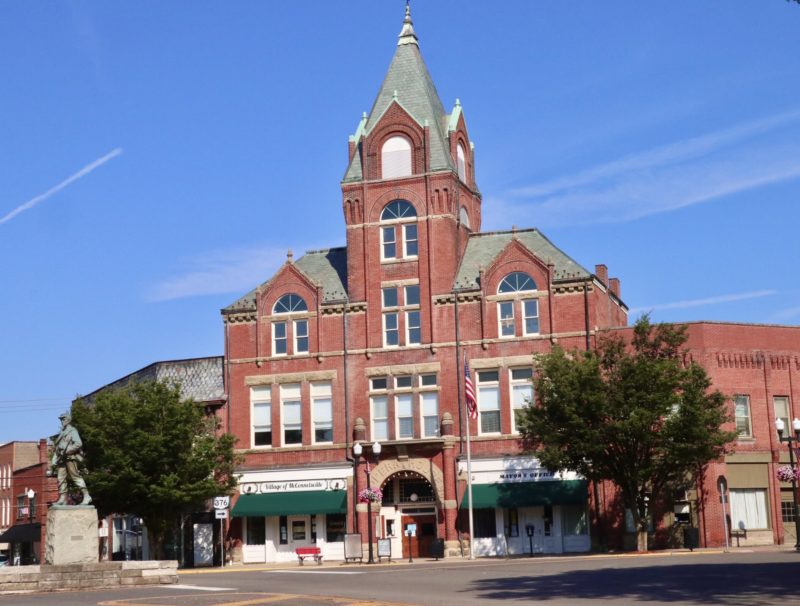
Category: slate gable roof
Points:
column 408, row 76
column 326, row 268
column 483, row 249
column 200, row 378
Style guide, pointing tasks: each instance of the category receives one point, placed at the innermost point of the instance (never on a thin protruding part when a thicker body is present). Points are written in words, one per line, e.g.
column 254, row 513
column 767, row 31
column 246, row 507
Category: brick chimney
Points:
column 613, row 284
column 601, row 271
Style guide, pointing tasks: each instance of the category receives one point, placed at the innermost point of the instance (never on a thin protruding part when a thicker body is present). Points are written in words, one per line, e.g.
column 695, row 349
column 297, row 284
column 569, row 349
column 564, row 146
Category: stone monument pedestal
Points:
column 71, row 535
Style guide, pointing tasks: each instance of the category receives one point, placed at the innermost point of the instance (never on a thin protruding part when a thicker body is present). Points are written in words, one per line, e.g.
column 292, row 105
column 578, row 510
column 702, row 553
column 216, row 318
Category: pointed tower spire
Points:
column 407, row 34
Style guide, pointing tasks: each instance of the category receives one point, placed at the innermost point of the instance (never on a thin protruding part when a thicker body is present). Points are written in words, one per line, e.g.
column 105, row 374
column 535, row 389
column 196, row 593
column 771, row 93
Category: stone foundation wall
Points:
column 87, row 576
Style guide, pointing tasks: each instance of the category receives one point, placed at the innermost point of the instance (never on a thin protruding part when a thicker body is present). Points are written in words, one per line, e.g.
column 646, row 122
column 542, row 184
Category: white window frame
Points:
column 516, row 386
column 287, row 391
column 384, row 421
column 525, row 317
column 410, row 327
column 387, row 330
column 424, row 397
column 321, row 393
column 407, row 239
column 296, row 336
column 745, row 399
column 786, row 414
column 386, row 229
column 406, row 397
column 260, row 396
column 501, row 322
column 284, row 338
column 483, row 387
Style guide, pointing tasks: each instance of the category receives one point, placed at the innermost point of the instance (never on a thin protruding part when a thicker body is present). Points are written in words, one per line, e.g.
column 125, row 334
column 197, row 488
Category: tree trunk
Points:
column 641, row 539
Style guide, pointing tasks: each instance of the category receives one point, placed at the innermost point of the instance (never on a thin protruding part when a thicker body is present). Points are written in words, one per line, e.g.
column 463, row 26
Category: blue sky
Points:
column 157, row 159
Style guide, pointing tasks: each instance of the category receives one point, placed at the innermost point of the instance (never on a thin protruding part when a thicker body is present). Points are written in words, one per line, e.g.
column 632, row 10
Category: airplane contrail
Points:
column 54, row 190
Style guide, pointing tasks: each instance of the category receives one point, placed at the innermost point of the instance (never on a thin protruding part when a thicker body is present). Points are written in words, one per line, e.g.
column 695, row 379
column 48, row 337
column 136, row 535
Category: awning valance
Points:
column 524, row 494
column 291, row 503
column 22, row 533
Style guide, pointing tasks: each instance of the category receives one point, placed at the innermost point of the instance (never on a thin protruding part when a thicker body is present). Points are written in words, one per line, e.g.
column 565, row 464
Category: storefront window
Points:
column 298, row 530
column 284, row 532
column 511, row 522
column 484, row 524
column 256, row 531
column 334, row 527
column 574, row 517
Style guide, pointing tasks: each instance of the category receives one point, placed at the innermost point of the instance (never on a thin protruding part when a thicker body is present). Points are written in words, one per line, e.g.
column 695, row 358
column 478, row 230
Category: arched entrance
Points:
column 409, row 504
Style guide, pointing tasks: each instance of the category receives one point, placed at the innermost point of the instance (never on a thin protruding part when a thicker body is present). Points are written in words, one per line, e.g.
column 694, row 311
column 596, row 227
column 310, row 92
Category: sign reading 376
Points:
column 222, row 502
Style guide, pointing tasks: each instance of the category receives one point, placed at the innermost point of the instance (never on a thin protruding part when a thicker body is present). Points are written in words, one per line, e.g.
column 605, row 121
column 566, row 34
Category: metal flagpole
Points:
column 469, row 478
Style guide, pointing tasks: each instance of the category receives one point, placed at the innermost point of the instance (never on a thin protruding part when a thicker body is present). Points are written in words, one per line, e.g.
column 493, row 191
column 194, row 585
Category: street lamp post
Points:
column 31, row 496
column 780, row 426
column 357, row 452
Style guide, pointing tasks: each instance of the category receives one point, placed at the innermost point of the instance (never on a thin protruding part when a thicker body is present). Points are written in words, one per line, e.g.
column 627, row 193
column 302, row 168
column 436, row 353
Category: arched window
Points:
column 464, row 218
column 509, row 307
column 396, row 238
column 516, row 282
column 290, row 304
column 461, row 162
column 396, row 158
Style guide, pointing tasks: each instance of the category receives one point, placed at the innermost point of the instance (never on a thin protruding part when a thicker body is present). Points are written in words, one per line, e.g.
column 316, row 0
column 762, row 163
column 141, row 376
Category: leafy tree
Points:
column 630, row 412
column 152, row 454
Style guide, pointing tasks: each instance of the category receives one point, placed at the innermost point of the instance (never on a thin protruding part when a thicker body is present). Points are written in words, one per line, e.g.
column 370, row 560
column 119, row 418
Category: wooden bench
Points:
column 309, row 552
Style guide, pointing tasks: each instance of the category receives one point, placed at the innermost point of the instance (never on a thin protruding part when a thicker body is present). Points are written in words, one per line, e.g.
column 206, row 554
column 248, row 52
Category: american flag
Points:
column 469, row 393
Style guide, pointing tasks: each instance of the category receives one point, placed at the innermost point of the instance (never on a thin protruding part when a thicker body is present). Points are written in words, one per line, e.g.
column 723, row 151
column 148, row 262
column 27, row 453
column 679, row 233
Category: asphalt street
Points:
column 735, row 578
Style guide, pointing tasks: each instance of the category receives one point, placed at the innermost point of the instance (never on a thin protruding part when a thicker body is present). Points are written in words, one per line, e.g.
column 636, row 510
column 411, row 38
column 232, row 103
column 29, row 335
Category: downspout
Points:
column 459, row 379
column 348, row 433
column 586, row 312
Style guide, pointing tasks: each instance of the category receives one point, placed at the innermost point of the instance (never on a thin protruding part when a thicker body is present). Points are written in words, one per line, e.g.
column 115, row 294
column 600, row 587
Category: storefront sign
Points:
column 292, row 486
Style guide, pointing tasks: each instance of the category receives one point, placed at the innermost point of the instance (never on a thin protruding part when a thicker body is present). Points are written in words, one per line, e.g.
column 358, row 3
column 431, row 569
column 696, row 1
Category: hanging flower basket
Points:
column 786, row 473
column 370, row 495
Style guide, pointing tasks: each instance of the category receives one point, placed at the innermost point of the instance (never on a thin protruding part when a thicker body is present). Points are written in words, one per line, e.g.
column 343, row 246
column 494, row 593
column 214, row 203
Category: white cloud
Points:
column 222, row 271
column 663, row 179
column 703, row 302
column 54, row 190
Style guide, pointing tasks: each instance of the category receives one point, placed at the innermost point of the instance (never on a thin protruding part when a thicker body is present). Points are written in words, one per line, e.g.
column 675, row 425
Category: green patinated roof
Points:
column 408, row 77
column 482, row 250
column 326, row 268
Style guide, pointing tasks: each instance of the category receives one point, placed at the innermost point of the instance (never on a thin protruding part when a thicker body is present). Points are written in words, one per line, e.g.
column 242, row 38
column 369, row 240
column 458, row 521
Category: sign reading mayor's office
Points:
column 292, row 486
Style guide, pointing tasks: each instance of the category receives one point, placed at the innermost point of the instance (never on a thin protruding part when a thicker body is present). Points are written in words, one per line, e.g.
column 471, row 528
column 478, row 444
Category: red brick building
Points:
column 368, row 343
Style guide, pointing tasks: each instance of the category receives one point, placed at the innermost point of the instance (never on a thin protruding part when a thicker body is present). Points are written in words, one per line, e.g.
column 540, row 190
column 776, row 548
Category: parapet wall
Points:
column 87, row 576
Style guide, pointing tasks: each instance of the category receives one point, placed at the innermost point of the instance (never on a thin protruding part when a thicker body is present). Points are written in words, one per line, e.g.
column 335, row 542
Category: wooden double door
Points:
column 419, row 545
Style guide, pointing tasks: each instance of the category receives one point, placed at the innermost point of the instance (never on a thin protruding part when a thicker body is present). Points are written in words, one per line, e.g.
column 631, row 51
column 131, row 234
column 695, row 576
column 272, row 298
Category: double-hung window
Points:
column 261, row 401
column 322, row 410
column 429, row 402
column 521, row 380
column 401, row 302
column 292, row 414
column 512, row 305
column 285, row 313
column 489, row 401
column 380, row 417
column 404, row 409
column 742, row 416
column 399, row 234
column 781, row 404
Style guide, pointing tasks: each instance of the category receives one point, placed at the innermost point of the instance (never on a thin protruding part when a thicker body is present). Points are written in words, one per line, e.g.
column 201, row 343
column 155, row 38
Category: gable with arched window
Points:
column 517, row 300
column 399, row 236
column 396, row 158
column 284, row 343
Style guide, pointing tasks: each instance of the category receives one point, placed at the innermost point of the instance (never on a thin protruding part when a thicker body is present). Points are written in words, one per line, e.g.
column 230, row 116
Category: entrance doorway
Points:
column 420, row 544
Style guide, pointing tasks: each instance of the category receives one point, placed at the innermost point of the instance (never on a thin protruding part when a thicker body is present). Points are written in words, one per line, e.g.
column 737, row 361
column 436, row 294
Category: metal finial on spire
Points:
column 289, row 255
column 407, row 34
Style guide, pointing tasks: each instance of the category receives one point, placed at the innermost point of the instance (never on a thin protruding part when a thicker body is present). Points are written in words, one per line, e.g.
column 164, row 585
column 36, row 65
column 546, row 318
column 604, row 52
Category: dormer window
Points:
column 399, row 238
column 461, row 162
column 515, row 304
column 289, row 304
column 396, row 158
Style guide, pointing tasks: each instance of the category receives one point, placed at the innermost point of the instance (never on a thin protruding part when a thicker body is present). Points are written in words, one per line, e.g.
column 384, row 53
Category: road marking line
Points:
column 199, row 588
column 312, row 572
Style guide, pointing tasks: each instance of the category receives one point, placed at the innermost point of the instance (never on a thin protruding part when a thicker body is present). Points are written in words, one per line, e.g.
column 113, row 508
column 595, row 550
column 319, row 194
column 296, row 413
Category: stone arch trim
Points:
column 424, row 467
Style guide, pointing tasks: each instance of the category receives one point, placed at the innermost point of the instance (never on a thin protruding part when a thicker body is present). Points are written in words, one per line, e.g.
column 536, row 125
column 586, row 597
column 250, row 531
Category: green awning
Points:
column 291, row 503
column 522, row 494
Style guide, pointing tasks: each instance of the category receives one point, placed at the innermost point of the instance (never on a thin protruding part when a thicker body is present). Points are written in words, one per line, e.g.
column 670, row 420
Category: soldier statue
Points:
column 67, row 453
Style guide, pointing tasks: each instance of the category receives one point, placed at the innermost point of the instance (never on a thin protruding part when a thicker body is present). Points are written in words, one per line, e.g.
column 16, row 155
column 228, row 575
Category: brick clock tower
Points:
column 366, row 345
